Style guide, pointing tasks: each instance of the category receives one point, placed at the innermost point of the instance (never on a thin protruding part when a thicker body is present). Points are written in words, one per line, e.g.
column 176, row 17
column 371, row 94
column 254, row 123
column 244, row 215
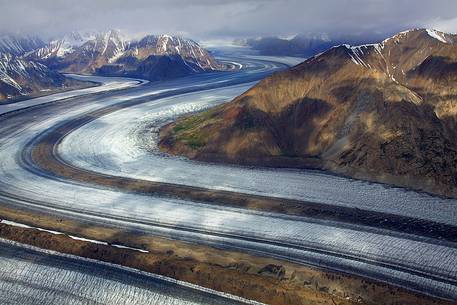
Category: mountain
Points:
column 152, row 57
column 61, row 46
column 302, row 45
column 19, row 44
column 162, row 45
column 160, row 57
column 383, row 112
column 28, row 65
column 22, row 77
column 81, row 54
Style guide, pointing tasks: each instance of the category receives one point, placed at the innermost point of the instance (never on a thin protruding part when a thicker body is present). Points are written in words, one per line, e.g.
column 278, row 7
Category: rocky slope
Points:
column 19, row 44
column 383, row 112
column 22, row 77
column 152, row 57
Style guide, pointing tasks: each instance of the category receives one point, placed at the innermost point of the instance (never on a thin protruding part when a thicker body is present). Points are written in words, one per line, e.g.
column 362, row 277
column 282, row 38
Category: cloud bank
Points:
column 211, row 19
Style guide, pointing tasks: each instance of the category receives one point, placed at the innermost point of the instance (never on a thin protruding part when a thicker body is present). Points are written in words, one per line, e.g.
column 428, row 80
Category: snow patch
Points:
column 21, row 225
column 93, row 241
column 357, row 53
column 437, row 35
column 131, row 248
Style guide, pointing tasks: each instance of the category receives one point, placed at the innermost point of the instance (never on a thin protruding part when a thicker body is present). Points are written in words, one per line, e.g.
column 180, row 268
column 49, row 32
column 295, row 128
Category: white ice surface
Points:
column 130, row 157
column 116, row 144
column 32, row 276
column 107, row 84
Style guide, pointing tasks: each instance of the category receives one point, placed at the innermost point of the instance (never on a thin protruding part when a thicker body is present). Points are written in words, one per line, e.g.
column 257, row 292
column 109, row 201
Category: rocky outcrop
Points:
column 383, row 112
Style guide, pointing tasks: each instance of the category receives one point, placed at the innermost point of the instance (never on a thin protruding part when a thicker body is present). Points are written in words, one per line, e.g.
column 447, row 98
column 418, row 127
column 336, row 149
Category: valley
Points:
column 195, row 152
column 87, row 167
column 29, row 65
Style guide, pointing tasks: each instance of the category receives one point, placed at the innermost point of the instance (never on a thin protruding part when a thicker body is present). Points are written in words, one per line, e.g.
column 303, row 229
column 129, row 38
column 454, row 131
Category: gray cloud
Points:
column 210, row 19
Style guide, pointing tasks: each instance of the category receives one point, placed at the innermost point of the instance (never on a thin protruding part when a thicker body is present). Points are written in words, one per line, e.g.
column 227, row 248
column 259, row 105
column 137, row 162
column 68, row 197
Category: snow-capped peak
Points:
column 437, row 35
column 19, row 44
column 399, row 36
column 440, row 36
column 64, row 45
column 13, row 69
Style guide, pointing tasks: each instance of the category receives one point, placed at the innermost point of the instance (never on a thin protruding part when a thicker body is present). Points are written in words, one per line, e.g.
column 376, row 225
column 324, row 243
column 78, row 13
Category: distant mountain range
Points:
column 302, row 45
column 152, row 57
column 383, row 112
column 29, row 65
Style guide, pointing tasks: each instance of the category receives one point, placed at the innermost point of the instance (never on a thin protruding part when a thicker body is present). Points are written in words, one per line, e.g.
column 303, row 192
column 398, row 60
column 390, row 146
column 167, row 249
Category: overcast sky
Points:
column 226, row 19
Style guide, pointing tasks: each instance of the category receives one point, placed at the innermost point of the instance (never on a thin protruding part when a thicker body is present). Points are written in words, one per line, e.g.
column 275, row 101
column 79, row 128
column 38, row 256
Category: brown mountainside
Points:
column 385, row 112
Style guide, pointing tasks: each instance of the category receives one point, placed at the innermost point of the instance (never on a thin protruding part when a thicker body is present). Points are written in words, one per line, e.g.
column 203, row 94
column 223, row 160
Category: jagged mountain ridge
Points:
column 189, row 50
column 61, row 46
column 19, row 44
column 383, row 112
column 27, row 60
column 80, row 53
column 19, row 76
column 113, row 55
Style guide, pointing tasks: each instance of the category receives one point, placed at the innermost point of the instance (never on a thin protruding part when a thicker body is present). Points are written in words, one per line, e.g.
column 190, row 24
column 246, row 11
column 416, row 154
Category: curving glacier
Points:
column 119, row 143
column 30, row 276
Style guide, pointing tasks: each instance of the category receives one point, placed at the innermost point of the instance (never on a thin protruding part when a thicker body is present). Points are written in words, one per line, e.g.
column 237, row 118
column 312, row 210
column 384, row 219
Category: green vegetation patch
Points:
column 194, row 130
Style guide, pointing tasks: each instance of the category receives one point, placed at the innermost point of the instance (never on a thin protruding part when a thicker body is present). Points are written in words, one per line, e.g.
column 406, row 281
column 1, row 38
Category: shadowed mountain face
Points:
column 109, row 54
column 384, row 112
column 20, row 77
